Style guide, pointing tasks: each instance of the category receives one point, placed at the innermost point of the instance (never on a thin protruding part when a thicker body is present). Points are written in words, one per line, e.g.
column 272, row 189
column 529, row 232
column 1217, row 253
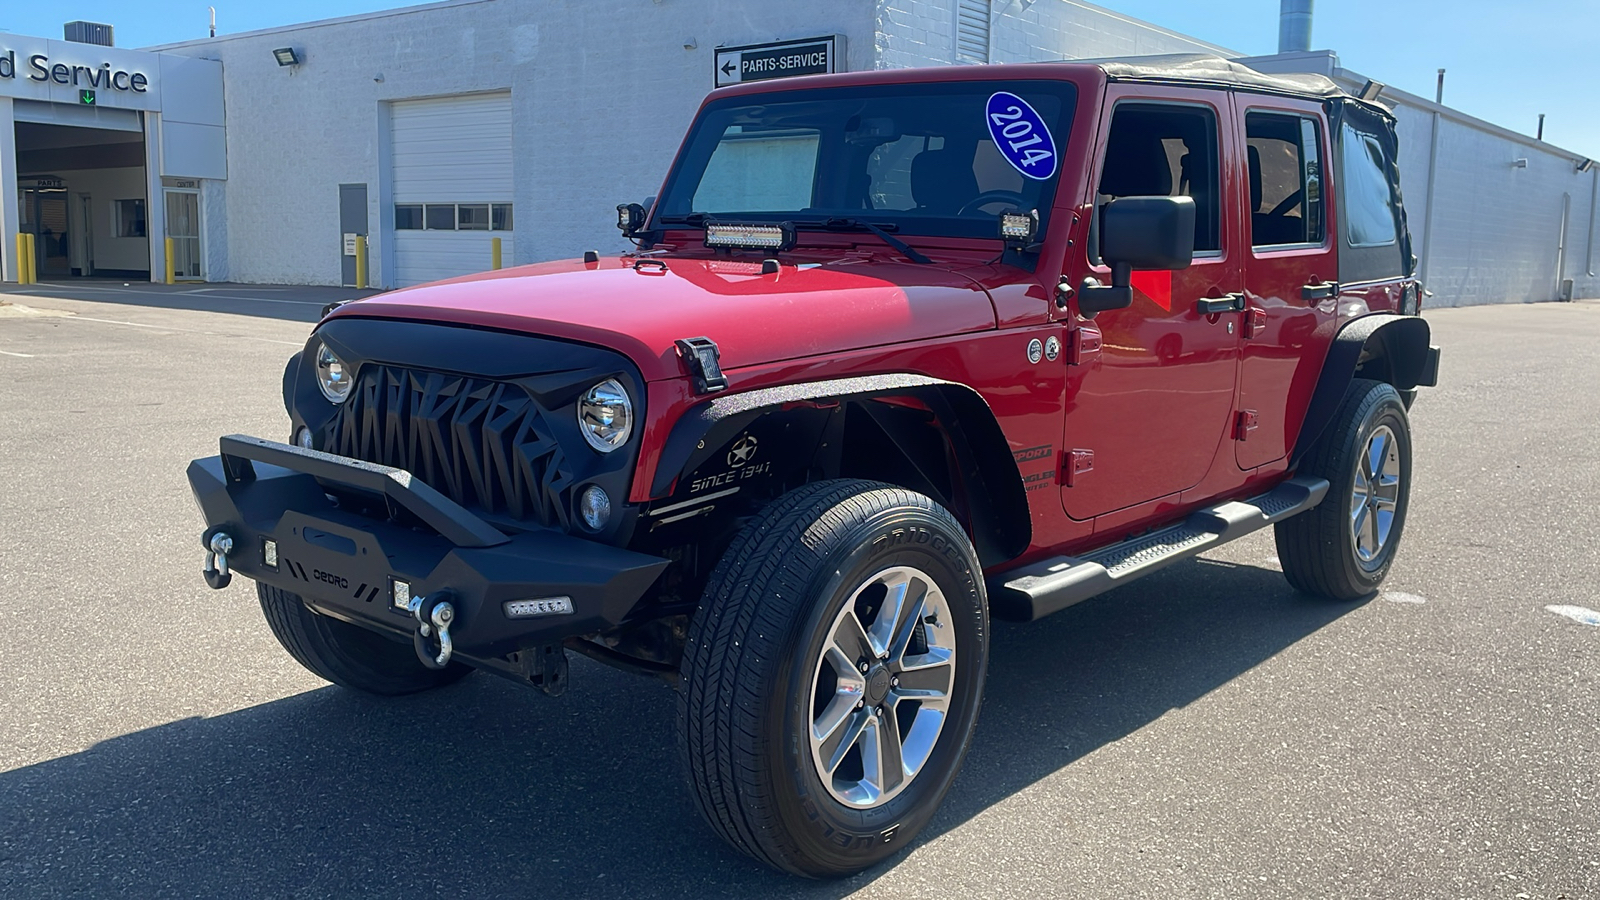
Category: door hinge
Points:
column 1255, row 322
column 1078, row 462
column 1247, row 422
column 1086, row 343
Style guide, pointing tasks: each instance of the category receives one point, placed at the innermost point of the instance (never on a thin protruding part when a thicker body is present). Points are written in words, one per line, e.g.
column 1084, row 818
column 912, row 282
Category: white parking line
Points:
column 21, row 355
column 1580, row 614
column 185, row 331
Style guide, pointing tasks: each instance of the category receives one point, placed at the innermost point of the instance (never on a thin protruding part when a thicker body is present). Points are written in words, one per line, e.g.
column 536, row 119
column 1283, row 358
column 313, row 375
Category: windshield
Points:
column 929, row 159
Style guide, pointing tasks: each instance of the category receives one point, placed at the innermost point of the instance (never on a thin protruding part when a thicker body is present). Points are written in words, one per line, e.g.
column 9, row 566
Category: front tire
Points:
column 346, row 655
column 1343, row 548
column 832, row 676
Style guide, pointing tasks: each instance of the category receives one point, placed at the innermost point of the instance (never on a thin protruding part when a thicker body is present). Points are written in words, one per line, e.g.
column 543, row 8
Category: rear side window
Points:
column 1368, row 203
column 1285, row 168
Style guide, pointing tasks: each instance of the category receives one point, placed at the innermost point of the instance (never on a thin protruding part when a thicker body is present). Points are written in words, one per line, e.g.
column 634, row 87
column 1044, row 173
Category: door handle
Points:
column 1211, row 306
column 1320, row 291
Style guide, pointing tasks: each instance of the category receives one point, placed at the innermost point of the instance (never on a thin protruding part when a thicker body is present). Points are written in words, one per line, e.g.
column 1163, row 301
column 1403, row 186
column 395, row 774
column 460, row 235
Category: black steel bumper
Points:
column 345, row 564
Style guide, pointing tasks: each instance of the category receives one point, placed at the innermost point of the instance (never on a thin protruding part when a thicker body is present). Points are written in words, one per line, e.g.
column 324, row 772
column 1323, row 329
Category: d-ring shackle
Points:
column 434, row 615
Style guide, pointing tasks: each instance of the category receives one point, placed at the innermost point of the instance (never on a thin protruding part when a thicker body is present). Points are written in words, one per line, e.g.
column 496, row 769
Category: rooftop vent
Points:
column 88, row 33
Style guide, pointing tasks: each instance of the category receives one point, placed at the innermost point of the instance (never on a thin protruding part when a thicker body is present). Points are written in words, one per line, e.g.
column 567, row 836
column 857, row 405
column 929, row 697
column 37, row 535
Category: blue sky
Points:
column 1507, row 62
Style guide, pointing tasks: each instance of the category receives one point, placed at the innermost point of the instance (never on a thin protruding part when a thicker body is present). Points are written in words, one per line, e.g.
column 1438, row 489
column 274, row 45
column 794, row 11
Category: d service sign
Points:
column 778, row 59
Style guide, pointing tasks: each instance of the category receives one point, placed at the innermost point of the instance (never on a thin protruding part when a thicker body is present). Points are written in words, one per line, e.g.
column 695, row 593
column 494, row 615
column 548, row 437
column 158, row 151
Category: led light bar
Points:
column 546, row 606
column 402, row 594
column 1018, row 227
column 731, row 235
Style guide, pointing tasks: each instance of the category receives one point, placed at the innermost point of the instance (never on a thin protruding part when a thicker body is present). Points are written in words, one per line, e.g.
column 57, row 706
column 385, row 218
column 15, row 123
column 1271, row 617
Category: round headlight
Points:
column 332, row 375
column 605, row 415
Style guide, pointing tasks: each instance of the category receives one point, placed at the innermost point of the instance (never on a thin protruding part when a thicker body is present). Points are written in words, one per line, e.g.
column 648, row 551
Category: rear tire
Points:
column 846, row 623
column 346, row 655
column 1342, row 549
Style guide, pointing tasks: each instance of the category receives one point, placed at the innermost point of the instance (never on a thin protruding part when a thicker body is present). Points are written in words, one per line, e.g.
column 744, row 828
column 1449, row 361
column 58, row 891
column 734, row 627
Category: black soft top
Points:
column 1214, row 71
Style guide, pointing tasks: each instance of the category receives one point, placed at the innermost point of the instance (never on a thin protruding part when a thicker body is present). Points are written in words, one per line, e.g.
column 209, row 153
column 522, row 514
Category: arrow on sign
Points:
column 86, row 98
column 727, row 67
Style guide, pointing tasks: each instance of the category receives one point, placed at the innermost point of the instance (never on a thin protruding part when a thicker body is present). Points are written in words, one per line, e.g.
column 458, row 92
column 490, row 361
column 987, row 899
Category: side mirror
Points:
column 1147, row 233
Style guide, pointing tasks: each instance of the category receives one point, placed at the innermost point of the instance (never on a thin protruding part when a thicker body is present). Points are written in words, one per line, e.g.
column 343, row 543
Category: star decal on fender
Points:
column 743, row 450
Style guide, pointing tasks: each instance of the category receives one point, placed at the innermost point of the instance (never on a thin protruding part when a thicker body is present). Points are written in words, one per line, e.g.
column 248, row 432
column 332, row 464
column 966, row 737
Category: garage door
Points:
column 452, row 185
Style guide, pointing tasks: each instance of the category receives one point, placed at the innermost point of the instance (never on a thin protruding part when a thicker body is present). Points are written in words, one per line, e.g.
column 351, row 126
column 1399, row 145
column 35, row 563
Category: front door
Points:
column 1155, row 402
column 352, row 221
column 183, row 226
column 1288, row 270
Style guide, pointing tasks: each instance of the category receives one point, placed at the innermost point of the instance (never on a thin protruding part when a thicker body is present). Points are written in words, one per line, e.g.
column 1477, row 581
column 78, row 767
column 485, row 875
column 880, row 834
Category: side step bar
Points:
column 1037, row 590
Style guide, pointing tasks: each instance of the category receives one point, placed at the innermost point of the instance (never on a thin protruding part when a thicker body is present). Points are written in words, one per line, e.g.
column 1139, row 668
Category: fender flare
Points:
column 1002, row 524
column 1401, row 340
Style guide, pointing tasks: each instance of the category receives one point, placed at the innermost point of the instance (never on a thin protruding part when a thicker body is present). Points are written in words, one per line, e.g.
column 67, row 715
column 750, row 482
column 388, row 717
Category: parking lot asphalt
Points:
column 1205, row 732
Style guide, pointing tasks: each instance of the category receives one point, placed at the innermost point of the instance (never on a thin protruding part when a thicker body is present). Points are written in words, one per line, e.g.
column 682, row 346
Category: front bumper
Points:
column 345, row 564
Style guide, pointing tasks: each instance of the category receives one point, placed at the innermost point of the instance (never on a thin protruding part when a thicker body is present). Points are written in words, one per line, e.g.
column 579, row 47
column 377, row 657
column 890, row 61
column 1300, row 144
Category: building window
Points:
column 452, row 216
column 441, row 217
column 129, row 218
column 408, row 216
column 472, row 216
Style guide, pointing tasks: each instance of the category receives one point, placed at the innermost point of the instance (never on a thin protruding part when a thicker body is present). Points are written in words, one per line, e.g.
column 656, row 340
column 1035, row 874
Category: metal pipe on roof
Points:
column 1294, row 26
column 1594, row 201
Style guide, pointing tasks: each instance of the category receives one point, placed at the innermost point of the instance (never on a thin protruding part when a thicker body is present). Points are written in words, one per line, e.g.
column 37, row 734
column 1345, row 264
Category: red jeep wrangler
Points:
column 898, row 351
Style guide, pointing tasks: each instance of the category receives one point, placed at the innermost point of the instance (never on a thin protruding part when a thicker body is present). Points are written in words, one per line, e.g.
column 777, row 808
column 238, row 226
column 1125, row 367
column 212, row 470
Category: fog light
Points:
column 402, row 594
column 595, row 507
column 269, row 553
column 547, row 606
column 302, row 437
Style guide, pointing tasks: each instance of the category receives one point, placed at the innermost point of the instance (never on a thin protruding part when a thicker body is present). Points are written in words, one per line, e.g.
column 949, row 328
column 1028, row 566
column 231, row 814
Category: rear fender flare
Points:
column 1383, row 346
column 997, row 502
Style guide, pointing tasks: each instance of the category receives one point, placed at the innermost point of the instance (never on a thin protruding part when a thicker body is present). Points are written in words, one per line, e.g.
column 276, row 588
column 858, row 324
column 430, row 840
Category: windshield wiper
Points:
column 840, row 223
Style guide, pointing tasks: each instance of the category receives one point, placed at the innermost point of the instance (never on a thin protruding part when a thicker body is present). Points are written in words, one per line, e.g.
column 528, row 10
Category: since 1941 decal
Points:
column 1020, row 135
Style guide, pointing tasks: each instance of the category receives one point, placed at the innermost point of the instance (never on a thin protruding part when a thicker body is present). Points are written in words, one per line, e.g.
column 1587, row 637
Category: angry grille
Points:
column 485, row 444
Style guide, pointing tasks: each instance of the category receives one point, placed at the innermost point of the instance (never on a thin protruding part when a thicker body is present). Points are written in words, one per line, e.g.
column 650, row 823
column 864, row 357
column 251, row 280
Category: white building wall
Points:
column 1496, row 227
column 922, row 33
column 601, row 95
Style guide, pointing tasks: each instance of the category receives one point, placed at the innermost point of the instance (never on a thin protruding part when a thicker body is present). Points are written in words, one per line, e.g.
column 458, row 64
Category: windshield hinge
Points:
column 704, row 362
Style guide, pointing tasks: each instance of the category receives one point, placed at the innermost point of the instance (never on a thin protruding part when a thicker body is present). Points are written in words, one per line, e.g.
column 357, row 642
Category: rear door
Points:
column 1153, row 403
column 1289, row 269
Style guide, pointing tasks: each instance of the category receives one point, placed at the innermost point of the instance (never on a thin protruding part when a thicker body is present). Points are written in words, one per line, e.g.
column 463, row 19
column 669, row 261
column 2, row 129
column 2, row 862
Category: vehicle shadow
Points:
column 487, row 789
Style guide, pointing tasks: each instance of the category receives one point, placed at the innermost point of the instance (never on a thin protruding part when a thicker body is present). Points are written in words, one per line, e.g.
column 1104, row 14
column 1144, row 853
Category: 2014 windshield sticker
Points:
column 1020, row 134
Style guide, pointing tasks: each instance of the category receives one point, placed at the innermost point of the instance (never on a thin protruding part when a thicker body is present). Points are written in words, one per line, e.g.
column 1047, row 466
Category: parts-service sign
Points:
column 1020, row 135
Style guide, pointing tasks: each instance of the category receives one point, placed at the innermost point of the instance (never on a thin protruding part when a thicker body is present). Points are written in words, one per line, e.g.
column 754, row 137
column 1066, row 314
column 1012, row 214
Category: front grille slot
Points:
column 485, row 444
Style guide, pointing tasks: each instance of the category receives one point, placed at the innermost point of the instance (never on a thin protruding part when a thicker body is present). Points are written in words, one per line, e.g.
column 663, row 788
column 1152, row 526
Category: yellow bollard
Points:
column 361, row 261
column 494, row 253
column 33, row 258
column 172, row 277
column 22, row 257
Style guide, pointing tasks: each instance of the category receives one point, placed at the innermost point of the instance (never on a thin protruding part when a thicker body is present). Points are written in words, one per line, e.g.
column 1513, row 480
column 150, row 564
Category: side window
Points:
column 1368, row 203
column 1166, row 151
column 1285, row 179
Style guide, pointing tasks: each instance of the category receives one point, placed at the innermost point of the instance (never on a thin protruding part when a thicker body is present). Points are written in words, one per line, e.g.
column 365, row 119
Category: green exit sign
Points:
column 86, row 98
